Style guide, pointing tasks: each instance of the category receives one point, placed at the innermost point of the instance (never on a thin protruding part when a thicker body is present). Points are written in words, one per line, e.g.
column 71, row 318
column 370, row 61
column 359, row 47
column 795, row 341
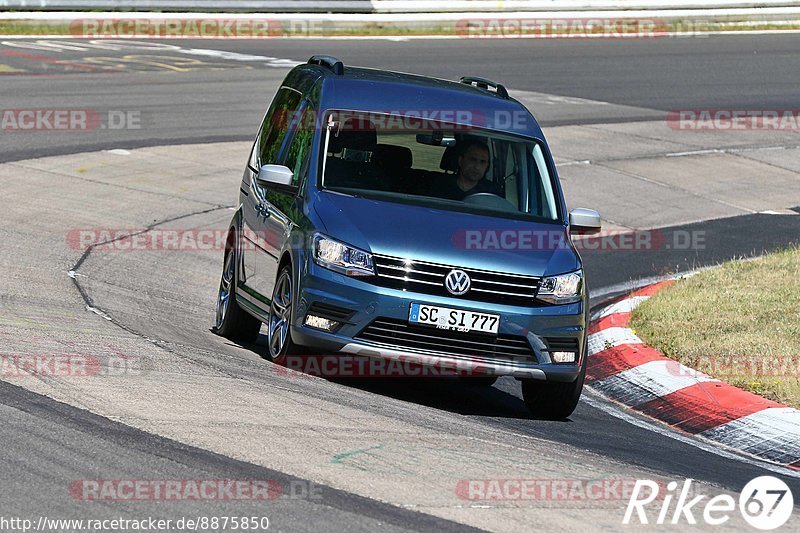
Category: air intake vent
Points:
column 561, row 344
column 331, row 312
column 401, row 334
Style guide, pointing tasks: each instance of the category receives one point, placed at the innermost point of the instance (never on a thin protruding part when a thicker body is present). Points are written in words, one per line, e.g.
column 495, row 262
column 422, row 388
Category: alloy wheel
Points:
column 279, row 315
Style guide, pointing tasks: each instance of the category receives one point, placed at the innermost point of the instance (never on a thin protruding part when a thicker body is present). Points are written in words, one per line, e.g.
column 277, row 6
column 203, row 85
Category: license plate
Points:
column 453, row 319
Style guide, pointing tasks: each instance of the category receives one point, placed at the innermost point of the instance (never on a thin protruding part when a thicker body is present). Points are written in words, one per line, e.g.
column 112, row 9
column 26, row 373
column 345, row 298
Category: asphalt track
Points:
column 46, row 440
column 53, row 443
column 201, row 105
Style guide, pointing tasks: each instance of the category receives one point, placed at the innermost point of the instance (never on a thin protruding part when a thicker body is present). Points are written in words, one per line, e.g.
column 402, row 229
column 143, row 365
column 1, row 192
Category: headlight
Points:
column 563, row 289
column 342, row 258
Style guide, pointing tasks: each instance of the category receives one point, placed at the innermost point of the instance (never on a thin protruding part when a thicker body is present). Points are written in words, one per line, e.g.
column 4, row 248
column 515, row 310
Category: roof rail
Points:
column 336, row 65
column 483, row 83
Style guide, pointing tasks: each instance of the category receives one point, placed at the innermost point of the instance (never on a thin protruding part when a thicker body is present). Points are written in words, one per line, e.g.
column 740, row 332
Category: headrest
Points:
column 355, row 134
column 389, row 155
column 450, row 159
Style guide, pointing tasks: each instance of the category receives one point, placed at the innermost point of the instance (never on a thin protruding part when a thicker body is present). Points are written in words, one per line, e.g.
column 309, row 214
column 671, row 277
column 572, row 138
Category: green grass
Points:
column 739, row 322
column 8, row 27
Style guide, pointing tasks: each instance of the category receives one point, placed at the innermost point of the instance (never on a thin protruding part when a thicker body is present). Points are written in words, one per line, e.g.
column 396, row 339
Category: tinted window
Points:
column 298, row 155
column 436, row 164
column 276, row 125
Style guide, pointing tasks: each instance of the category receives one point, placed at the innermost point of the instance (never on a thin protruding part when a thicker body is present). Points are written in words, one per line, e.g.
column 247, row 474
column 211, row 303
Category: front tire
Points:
column 232, row 321
column 553, row 400
column 279, row 336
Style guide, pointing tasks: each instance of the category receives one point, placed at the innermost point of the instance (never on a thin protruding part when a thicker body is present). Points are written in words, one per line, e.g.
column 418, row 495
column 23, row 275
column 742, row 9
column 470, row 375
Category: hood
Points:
column 447, row 237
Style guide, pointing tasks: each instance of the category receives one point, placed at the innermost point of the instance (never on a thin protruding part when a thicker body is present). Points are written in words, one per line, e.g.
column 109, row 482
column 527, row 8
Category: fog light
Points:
column 317, row 322
column 563, row 357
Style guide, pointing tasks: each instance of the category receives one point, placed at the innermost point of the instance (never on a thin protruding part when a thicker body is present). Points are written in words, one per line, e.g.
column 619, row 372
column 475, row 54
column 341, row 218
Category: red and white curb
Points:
column 624, row 369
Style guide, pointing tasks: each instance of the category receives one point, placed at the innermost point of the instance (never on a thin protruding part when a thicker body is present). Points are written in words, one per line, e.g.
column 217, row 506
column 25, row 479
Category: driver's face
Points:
column 474, row 163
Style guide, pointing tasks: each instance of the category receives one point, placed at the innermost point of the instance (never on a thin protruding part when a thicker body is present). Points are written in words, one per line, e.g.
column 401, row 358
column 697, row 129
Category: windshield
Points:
column 436, row 164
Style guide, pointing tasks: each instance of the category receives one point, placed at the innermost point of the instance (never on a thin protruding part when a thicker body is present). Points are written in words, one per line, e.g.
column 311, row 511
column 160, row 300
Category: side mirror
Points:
column 584, row 221
column 271, row 175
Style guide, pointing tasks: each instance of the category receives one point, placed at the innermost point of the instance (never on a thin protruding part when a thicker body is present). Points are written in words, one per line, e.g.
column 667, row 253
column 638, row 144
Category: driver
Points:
column 472, row 166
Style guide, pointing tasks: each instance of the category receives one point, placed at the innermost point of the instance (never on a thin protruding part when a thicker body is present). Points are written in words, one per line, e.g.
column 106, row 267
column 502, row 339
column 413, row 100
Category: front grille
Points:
column 401, row 334
column 428, row 278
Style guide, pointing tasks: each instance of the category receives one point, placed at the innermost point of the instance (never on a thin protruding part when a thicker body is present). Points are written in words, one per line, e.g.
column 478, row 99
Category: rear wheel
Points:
column 551, row 399
column 232, row 321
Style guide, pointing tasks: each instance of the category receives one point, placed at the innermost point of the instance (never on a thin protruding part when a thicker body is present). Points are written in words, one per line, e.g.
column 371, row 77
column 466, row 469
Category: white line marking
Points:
column 730, row 150
column 695, row 152
column 234, row 56
column 119, row 44
column 98, row 312
column 787, row 213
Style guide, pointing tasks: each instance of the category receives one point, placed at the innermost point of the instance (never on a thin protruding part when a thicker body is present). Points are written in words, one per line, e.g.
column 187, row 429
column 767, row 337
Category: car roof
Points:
column 385, row 91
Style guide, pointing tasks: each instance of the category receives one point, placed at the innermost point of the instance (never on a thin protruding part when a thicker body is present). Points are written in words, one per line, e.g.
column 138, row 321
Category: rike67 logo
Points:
column 765, row 503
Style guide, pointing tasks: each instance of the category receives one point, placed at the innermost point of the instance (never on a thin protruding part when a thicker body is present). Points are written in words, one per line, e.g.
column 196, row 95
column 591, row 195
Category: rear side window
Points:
column 275, row 126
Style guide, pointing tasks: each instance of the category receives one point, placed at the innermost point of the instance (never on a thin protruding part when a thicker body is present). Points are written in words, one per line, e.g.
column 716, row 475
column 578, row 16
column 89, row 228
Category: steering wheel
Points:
column 490, row 200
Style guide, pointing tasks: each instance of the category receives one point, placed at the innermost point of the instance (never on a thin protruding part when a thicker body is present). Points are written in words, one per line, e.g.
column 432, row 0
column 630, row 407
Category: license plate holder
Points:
column 451, row 319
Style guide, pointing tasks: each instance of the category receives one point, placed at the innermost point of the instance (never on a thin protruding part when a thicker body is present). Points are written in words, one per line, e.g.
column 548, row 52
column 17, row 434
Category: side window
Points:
column 546, row 202
column 276, row 125
column 299, row 154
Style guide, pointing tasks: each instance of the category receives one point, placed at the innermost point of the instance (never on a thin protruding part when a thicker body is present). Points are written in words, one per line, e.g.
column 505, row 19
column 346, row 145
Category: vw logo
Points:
column 457, row 282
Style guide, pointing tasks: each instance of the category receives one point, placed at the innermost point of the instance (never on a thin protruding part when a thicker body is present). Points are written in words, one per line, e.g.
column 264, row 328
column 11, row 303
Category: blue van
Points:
column 405, row 218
